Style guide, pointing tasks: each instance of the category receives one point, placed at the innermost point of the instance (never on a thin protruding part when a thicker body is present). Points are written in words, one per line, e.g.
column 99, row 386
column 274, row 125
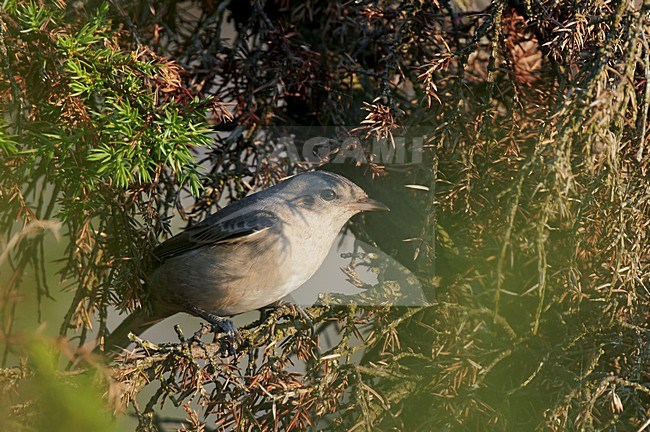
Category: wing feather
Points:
column 243, row 227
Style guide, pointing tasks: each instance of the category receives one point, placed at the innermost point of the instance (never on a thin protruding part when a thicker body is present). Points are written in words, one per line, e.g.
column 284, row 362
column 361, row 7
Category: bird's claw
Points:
column 226, row 326
column 293, row 308
column 308, row 319
column 220, row 325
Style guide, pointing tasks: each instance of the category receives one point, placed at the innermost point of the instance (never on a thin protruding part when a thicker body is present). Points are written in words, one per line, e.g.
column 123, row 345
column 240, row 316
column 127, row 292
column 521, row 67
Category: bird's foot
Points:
column 306, row 317
column 219, row 325
column 281, row 305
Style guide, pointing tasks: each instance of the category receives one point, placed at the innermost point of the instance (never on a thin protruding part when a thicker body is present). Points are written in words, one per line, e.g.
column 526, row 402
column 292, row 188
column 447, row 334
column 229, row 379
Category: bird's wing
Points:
column 240, row 228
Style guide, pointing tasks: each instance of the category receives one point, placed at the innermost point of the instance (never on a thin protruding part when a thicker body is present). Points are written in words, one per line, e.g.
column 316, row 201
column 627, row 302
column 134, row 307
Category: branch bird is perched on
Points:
column 249, row 254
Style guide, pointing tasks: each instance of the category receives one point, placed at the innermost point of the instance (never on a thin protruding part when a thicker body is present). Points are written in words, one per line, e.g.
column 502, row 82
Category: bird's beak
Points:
column 367, row 204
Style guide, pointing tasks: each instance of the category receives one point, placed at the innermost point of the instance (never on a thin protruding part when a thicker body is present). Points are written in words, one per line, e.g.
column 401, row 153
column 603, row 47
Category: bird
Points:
column 248, row 255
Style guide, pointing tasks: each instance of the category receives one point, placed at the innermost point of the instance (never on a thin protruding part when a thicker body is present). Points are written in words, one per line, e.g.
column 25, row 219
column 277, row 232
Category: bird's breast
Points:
column 303, row 257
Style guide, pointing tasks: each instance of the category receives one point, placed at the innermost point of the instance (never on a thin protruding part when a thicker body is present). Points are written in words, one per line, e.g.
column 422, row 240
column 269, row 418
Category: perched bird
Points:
column 248, row 255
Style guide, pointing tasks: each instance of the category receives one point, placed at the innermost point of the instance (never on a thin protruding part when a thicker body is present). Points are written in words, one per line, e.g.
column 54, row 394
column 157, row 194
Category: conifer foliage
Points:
column 526, row 221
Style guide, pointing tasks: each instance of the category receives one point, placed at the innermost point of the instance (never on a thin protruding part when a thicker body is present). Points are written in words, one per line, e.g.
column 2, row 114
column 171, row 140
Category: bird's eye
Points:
column 328, row 194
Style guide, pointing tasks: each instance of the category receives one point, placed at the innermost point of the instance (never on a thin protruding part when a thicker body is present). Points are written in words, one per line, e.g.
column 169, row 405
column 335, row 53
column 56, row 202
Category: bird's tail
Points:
column 136, row 323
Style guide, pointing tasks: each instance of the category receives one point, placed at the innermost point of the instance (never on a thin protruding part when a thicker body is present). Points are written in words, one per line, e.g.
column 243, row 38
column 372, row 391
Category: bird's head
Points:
column 323, row 192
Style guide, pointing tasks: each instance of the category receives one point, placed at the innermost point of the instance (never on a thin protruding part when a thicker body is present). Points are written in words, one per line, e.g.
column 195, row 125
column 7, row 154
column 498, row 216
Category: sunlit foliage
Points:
column 528, row 225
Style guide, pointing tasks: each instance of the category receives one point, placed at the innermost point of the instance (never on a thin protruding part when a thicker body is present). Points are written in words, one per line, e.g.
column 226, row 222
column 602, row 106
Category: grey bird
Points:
column 249, row 254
